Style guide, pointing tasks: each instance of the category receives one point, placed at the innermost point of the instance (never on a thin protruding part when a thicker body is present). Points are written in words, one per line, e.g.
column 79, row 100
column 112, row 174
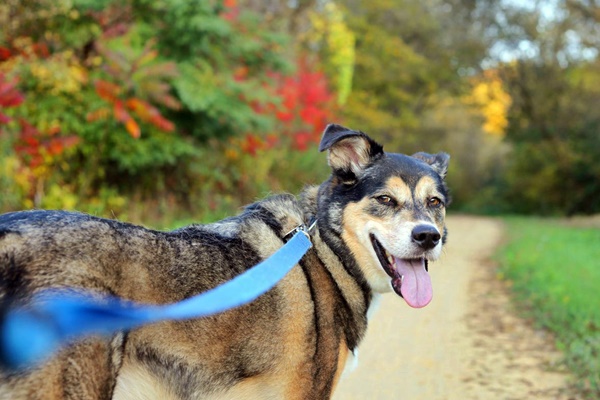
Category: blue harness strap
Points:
column 55, row 318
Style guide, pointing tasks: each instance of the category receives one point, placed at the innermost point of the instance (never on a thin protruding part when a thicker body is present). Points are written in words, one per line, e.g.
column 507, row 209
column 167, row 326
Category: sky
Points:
column 550, row 12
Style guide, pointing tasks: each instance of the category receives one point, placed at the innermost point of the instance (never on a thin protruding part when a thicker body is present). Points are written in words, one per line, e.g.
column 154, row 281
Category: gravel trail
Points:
column 468, row 343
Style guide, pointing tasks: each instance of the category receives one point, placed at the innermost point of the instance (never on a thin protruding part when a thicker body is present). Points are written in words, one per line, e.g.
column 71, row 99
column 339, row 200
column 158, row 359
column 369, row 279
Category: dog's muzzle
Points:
column 410, row 277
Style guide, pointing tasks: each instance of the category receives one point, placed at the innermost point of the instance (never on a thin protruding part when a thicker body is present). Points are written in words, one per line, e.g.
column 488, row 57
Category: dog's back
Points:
column 271, row 345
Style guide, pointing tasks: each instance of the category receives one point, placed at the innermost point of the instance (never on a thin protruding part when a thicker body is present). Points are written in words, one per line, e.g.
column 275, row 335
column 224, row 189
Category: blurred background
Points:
column 168, row 110
column 165, row 112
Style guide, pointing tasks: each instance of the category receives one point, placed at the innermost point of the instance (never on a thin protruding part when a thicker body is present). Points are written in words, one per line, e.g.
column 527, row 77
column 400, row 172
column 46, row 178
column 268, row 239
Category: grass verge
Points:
column 555, row 273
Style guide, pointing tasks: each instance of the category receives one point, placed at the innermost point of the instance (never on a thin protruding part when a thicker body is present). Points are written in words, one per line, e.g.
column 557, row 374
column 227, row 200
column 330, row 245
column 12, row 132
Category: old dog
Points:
column 379, row 222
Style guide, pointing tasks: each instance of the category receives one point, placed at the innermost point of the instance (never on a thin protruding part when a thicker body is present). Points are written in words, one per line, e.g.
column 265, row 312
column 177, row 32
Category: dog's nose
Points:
column 426, row 236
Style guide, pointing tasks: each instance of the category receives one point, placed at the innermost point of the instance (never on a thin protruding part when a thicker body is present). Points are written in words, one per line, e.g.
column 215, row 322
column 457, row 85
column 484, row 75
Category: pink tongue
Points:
column 416, row 284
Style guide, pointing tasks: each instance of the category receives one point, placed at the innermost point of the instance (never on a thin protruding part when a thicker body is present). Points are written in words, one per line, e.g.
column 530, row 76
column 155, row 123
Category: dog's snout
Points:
column 426, row 236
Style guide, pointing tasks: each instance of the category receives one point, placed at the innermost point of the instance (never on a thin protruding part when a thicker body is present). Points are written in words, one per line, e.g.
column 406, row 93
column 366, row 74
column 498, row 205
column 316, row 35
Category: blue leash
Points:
column 31, row 335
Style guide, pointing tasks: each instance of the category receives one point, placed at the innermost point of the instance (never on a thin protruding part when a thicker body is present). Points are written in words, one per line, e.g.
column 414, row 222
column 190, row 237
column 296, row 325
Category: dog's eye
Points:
column 435, row 202
column 385, row 200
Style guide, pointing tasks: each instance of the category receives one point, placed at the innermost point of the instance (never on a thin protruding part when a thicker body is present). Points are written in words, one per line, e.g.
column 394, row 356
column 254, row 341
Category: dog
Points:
column 379, row 221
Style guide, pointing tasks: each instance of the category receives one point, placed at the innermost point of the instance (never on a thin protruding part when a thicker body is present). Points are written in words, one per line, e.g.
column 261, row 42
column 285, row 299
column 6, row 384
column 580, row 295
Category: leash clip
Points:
column 306, row 230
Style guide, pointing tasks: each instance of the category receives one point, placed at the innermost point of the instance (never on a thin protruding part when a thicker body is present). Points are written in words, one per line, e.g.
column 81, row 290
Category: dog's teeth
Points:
column 389, row 257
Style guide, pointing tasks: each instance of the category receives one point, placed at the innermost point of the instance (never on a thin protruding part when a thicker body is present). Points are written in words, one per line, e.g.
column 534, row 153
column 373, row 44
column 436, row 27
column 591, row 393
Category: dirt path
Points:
column 466, row 345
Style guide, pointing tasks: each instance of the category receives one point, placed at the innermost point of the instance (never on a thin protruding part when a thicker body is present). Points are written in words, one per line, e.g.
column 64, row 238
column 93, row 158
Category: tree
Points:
column 404, row 62
column 552, row 128
column 142, row 84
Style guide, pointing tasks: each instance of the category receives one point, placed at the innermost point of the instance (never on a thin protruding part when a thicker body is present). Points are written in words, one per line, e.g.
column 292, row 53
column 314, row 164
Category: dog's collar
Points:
column 306, row 229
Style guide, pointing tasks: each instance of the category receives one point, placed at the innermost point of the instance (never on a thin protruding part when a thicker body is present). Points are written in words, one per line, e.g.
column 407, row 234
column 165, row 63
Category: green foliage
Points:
column 337, row 43
column 402, row 65
column 413, row 58
column 477, row 158
column 10, row 199
column 553, row 167
column 186, row 28
column 144, row 92
column 222, row 64
column 216, row 104
column 142, row 85
column 554, row 273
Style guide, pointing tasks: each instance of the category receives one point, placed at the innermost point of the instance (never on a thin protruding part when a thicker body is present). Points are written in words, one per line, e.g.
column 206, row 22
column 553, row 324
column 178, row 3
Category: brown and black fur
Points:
column 291, row 343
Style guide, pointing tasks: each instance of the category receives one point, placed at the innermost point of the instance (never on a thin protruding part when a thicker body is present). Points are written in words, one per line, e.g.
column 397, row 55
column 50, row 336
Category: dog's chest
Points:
column 352, row 356
column 135, row 382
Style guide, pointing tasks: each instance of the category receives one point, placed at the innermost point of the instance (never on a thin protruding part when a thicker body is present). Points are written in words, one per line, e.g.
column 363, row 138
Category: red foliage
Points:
column 240, row 73
column 120, row 113
column 232, row 10
column 32, row 145
column 305, row 106
column 145, row 111
column 41, row 50
column 271, row 141
column 9, row 96
column 107, row 91
column 315, row 103
column 252, row 144
column 125, row 118
column 5, row 53
column 150, row 114
column 301, row 140
column 133, row 128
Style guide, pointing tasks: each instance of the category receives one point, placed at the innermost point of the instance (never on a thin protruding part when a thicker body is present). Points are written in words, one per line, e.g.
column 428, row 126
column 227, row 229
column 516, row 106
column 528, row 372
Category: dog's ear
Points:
column 439, row 162
column 349, row 151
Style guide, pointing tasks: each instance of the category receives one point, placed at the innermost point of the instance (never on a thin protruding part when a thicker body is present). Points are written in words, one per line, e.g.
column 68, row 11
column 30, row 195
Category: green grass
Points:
column 555, row 271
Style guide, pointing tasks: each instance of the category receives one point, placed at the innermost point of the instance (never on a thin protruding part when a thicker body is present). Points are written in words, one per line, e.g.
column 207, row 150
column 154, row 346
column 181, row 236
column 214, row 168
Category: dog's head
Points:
column 388, row 209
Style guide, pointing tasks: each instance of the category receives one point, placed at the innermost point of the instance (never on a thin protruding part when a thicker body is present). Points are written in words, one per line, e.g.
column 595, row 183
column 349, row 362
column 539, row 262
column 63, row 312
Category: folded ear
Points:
column 439, row 162
column 349, row 151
